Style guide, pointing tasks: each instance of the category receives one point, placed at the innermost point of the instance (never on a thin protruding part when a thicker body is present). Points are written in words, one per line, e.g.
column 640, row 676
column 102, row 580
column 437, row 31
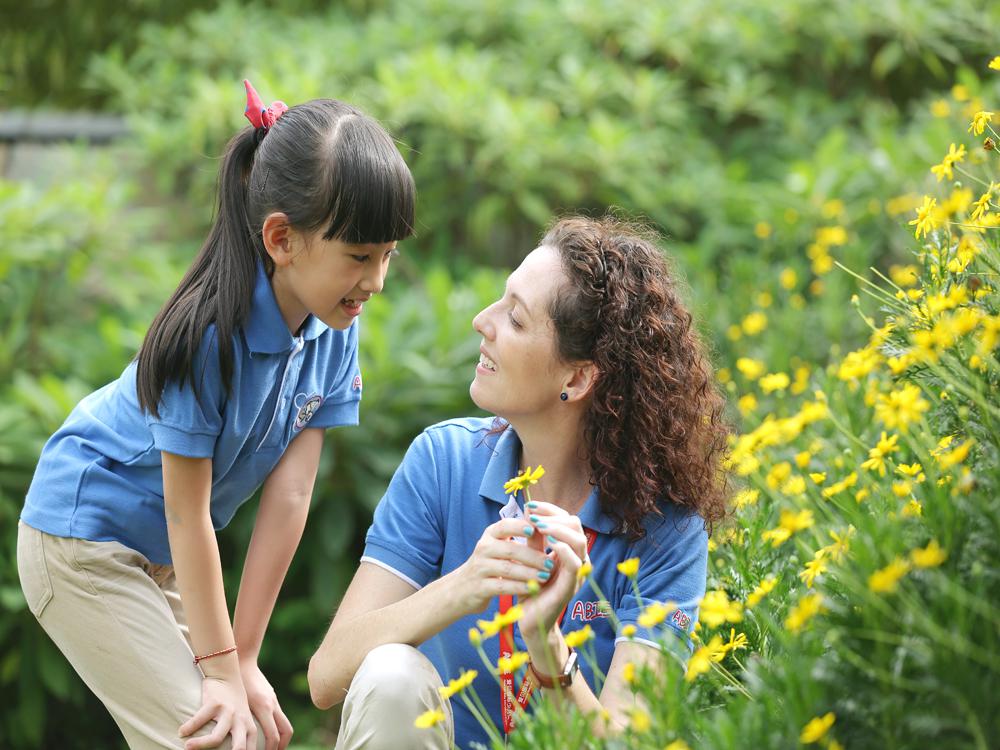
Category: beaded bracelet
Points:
column 223, row 652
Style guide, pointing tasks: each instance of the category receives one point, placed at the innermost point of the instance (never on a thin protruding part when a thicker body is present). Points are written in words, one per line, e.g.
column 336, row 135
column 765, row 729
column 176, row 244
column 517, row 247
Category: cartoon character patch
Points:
column 307, row 409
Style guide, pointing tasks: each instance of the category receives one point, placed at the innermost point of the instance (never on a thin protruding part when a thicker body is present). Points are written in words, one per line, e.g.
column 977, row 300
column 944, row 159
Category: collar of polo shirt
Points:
column 266, row 331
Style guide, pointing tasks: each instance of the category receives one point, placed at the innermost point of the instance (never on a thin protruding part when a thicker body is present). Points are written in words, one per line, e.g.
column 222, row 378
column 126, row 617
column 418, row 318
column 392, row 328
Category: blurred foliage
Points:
column 767, row 141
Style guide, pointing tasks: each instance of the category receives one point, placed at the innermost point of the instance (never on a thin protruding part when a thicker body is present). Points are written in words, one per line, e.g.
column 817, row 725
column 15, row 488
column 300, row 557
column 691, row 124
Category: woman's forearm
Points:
column 411, row 620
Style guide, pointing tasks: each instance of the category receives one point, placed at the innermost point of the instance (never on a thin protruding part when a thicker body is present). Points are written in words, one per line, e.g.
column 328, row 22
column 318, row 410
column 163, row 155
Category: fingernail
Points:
column 542, row 525
column 552, row 539
column 532, row 504
column 549, row 564
column 533, row 519
column 543, row 575
column 528, row 531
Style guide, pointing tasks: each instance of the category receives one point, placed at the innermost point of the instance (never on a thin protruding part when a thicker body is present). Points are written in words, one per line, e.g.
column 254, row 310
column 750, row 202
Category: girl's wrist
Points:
column 225, row 667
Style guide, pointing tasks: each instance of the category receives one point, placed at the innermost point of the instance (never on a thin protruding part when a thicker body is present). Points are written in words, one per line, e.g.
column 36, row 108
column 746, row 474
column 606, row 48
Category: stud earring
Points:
column 563, row 396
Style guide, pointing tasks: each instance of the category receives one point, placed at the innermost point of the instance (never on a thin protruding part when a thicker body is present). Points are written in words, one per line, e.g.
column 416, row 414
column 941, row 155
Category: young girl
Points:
column 251, row 358
column 590, row 365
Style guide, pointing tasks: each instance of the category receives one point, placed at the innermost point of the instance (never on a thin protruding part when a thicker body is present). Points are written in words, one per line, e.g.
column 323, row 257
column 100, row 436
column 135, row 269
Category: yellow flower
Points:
column 778, row 381
column 533, row 587
column 522, row 480
column 628, row 673
column 960, row 92
column 788, row 278
column 778, row 474
column 814, row 568
column 948, row 459
column 952, row 157
column 930, row 556
column 475, row 637
column 763, row 588
column 736, row 640
column 940, row 108
column 585, row 570
column 886, row 580
column 677, row 745
column 717, row 609
column 628, row 630
column 859, row 363
column 901, row 408
column 577, row 638
column 994, row 63
column 794, row 486
column 979, row 122
column 762, row 229
column 701, row 660
column 818, row 476
column 747, row 404
column 837, row 487
column 817, row 728
column 878, row 454
column 746, row 497
column 807, row 608
column 903, row 275
column 754, row 323
column 913, row 508
column 429, row 718
column 901, row 489
column 640, row 720
column 840, row 546
column 501, row 620
column 750, row 368
column 912, row 470
column 459, row 684
column 983, row 204
column 925, row 221
column 512, row 663
column 629, row 567
column 655, row 613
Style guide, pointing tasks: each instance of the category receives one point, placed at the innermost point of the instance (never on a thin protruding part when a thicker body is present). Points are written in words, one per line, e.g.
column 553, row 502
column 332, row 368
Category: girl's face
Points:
column 329, row 279
column 518, row 370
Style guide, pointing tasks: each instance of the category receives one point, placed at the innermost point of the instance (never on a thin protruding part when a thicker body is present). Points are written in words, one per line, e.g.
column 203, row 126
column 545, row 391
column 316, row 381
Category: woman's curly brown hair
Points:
column 654, row 428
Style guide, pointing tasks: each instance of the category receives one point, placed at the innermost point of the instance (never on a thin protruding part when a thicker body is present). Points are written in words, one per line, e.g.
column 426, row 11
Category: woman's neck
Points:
column 560, row 451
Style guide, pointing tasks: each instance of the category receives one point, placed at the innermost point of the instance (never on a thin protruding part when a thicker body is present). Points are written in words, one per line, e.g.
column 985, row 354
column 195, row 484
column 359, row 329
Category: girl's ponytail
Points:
column 217, row 288
column 324, row 164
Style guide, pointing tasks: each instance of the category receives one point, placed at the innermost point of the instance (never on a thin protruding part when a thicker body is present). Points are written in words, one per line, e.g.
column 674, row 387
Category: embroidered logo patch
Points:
column 356, row 386
column 680, row 619
column 585, row 611
column 307, row 410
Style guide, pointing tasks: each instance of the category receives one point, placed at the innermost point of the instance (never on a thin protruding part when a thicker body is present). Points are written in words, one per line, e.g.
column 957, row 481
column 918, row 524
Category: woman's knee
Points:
column 396, row 672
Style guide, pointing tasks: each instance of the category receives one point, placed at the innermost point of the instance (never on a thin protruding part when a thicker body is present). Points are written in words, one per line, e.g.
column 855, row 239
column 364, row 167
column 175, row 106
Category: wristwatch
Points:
column 564, row 679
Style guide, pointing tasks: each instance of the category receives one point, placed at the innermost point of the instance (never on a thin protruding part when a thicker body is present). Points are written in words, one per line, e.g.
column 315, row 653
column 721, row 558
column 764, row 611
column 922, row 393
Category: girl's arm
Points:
column 187, row 489
column 281, row 517
column 380, row 607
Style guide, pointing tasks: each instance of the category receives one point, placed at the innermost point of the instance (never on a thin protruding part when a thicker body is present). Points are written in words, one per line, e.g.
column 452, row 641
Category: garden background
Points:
column 769, row 142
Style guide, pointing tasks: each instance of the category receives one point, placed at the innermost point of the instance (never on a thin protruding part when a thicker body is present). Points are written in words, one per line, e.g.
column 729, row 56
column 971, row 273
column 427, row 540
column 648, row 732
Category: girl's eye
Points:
column 360, row 258
column 391, row 254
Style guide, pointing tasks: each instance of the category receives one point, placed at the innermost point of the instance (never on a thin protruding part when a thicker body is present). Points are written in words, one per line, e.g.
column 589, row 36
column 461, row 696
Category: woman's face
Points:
column 518, row 370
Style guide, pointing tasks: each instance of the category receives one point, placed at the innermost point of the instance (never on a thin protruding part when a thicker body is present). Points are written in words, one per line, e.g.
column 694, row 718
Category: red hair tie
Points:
column 259, row 115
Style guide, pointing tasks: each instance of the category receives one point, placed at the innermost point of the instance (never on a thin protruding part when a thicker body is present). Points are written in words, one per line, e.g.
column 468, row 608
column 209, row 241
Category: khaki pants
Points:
column 392, row 687
column 118, row 619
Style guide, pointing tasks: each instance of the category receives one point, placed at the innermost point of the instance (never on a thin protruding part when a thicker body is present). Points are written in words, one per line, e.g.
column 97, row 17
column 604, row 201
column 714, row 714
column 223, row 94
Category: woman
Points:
column 589, row 363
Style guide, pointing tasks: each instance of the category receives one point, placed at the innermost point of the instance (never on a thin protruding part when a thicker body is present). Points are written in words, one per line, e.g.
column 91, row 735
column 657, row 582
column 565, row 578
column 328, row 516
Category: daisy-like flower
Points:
column 577, row 638
column 805, row 610
column 428, row 719
column 512, row 663
column 459, row 684
column 655, row 613
column 629, row 567
column 925, row 221
column 979, row 122
column 817, row 728
column 501, row 620
column 763, row 589
column 886, row 580
column 878, row 454
column 522, row 480
column 701, row 660
column 930, row 556
column 952, row 157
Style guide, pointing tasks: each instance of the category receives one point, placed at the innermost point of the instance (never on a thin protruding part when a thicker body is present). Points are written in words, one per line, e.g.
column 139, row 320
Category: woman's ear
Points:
column 581, row 381
column 277, row 234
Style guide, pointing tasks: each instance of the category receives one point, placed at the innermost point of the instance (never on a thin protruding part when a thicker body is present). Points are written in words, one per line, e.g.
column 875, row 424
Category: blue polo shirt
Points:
column 449, row 488
column 100, row 476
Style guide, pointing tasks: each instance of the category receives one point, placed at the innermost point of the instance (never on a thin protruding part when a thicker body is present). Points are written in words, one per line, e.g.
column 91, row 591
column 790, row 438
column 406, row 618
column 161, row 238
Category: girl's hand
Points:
column 563, row 534
column 499, row 565
column 224, row 701
column 263, row 703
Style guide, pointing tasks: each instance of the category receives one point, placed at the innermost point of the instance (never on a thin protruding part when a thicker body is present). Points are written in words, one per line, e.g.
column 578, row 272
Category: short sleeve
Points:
column 342, row 399
column 673, row 560
column 407, row 533
column 190, row 414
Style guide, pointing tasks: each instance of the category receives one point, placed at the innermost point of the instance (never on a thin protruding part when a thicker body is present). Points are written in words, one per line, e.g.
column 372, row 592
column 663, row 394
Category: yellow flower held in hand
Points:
column 817, row 728
column 428, row 719
column 458, row 685
column 585, row 570
column 522, row 480
column 629, row 567
column 930, row 556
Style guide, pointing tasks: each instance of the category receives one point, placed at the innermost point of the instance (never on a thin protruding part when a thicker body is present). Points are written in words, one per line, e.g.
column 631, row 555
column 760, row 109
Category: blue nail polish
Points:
column 543, row 575
column 542, row 525
column 552, row 539
column 533, row 519
column 549, row 564
column 532, row 504
column 528, row 531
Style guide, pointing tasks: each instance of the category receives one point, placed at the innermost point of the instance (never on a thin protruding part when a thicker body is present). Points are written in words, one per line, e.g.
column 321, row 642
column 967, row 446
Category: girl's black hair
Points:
column 327, row 166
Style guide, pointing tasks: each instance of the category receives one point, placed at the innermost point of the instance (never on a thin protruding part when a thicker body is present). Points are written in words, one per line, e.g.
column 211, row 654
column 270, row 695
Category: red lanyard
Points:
column 507, row 695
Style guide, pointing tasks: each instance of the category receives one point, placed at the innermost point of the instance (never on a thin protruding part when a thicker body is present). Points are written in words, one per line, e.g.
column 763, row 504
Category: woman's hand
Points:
column 499, row 565
column 563, row 534
column 224, row 701
column 264, row 706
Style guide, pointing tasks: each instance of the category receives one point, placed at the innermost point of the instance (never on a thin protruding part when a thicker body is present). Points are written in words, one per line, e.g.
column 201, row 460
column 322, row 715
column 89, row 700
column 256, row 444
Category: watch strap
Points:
column 563, row 679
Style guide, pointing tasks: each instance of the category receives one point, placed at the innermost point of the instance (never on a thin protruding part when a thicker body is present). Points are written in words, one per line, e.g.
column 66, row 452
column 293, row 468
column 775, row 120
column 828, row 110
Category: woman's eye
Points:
column 513, row 321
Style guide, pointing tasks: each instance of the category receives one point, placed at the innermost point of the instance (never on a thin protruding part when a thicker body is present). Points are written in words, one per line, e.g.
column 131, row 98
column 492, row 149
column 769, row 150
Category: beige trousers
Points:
column 392, row 687
column 118, row 619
